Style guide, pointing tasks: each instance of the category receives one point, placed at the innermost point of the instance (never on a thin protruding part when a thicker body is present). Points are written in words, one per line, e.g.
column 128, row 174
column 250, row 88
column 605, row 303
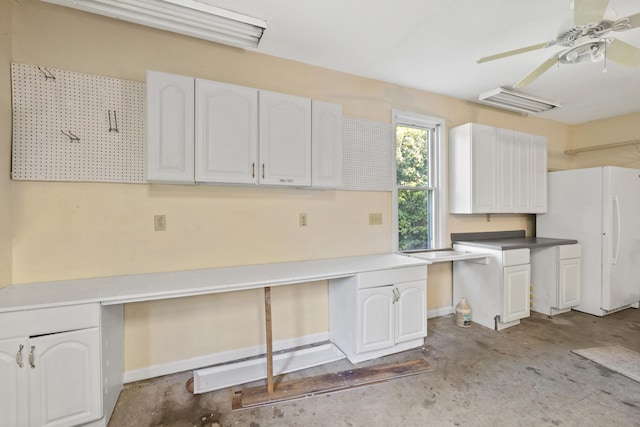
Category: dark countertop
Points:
column 505, row 240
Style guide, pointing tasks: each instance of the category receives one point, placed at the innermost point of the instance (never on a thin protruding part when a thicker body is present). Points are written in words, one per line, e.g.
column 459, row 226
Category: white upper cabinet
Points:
column 473, row 158
column 201, row 131
column 285, row 139
column 326, row 142
column 506, row 171
column 539, row 174
column 496, row 170
column 170, row 128
column 226, row 133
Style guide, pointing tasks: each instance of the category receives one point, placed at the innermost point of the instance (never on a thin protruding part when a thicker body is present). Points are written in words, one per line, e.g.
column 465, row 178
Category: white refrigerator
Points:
column 600, row 208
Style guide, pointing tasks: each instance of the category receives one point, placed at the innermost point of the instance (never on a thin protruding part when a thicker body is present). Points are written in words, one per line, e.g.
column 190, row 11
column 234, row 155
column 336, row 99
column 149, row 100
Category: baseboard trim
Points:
column 217, row 358
column 443, row 311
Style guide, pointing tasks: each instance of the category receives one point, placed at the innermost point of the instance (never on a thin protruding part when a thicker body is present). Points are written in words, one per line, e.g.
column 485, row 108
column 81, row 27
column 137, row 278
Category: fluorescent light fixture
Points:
column 190, row 17
column 510, row 99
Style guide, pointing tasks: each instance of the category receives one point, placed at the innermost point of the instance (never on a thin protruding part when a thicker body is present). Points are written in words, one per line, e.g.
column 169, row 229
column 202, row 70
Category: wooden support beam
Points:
column 267, row 315
column 328, row 383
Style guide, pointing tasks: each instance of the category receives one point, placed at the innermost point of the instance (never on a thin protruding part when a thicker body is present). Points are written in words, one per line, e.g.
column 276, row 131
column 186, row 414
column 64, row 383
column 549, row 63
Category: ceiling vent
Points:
column 509, row 99
column 189, row 17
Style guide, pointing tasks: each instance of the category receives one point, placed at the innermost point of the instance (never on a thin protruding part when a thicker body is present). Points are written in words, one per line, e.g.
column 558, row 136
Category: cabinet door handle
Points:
column 263, row 171
column 396, row 295
column 32, row 357
column 253, row 170
column 19, row 356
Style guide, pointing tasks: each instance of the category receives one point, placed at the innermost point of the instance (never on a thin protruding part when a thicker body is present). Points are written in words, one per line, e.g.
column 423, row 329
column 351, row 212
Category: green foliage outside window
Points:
column 412, row 166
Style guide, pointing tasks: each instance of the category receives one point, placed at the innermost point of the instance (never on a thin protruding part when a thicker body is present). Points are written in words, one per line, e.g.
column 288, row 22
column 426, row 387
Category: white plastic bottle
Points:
column 463, row 314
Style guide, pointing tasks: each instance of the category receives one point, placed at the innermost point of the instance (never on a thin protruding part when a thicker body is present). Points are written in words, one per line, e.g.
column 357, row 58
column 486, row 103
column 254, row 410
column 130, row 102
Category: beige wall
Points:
column 608, row 131
column 5, row 141
column 76, row 230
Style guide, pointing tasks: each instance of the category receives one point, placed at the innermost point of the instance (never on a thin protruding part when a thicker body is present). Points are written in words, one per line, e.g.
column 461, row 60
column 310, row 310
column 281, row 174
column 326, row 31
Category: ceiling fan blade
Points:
column 512, row 52
column 628, row 23
column 623, row 53
column 537, row 72
column 588, row 11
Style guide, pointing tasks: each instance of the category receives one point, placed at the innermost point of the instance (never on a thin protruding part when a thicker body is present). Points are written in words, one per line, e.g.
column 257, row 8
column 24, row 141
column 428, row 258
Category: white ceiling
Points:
column 433, row 45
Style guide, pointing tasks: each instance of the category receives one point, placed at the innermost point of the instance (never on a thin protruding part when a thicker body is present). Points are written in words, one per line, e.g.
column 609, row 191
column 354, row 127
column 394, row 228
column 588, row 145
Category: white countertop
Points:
column 447, row 255
column 154, row 286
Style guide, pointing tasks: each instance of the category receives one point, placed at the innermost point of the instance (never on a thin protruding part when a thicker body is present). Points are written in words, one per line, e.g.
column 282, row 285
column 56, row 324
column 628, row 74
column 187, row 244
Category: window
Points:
column 418, row 195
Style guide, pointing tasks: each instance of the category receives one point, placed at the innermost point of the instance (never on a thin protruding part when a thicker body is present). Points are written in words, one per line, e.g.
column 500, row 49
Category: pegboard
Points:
column 70, row 126
column 368, row 155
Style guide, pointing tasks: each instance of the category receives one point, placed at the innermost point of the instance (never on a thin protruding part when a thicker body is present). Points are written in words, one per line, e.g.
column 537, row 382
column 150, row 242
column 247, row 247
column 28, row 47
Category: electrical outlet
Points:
column 375, row 219
column 159, row 222
column 303, row 220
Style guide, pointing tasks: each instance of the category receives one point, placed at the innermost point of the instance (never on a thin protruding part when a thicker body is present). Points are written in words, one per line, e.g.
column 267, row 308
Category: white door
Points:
column 285, row 139
column 13, row 382
column 523, row 172
column 410, row 311
column 375, row 320
column 226, row 133
column 515, row 292
column 170, row 133
column 569, row 282
column 483, row 169
column 326, row 143
column 621, row 234
column 64, row 378
column 506, row 173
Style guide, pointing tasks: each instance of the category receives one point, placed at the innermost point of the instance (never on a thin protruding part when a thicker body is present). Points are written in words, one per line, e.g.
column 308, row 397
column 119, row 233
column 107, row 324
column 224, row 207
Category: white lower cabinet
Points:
column 57, row 378
column 555, row 278
column 386, row 319
column 496, row 289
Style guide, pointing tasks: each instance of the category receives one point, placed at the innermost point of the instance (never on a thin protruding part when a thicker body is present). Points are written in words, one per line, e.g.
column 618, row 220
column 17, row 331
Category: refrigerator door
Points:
column 620, row 237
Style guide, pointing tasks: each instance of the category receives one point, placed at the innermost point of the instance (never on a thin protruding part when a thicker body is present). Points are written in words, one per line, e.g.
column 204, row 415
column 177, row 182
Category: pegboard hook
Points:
column 113, row 127
column 71, row 136
column 47, row 74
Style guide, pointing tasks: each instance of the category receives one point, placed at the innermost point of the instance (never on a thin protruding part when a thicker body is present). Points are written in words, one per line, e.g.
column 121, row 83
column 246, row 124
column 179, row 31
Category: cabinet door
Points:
column 506, row 173
column 326, row 143
column 226, row 133
column 13, row 383
column 538, row 174
column 64, row 378
column 170, row 134
column 483, row 169
column 523, row 176
column 515, row 292
column 411, row 311
column 568, row 282
column 285, row 139
column 375, row 319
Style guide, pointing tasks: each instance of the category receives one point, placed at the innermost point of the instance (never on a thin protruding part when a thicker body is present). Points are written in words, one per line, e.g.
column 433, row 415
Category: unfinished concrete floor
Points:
column 522, row 376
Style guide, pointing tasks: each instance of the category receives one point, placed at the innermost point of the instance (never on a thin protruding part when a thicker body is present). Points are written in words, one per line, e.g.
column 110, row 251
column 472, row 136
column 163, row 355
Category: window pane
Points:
column 413, row 219
column 412, row 156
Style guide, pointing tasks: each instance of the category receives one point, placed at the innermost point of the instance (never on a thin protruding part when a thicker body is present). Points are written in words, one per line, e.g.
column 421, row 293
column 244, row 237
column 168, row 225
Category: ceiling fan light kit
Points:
column 520, row 102
column 189, row 17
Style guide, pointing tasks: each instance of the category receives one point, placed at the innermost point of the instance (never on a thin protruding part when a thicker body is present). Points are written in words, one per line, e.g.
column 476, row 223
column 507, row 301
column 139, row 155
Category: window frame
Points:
column 437, row 179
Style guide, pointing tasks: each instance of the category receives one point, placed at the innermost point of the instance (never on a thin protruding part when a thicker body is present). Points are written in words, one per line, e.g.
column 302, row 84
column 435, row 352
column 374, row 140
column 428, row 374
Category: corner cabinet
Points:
column 60, row 366
column 495, row 170
column 326, row 144
column 390, row 312
column 201, row 131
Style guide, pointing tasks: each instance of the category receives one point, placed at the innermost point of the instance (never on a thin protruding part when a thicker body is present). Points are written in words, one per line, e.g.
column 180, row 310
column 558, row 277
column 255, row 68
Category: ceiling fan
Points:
column 585, row 41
